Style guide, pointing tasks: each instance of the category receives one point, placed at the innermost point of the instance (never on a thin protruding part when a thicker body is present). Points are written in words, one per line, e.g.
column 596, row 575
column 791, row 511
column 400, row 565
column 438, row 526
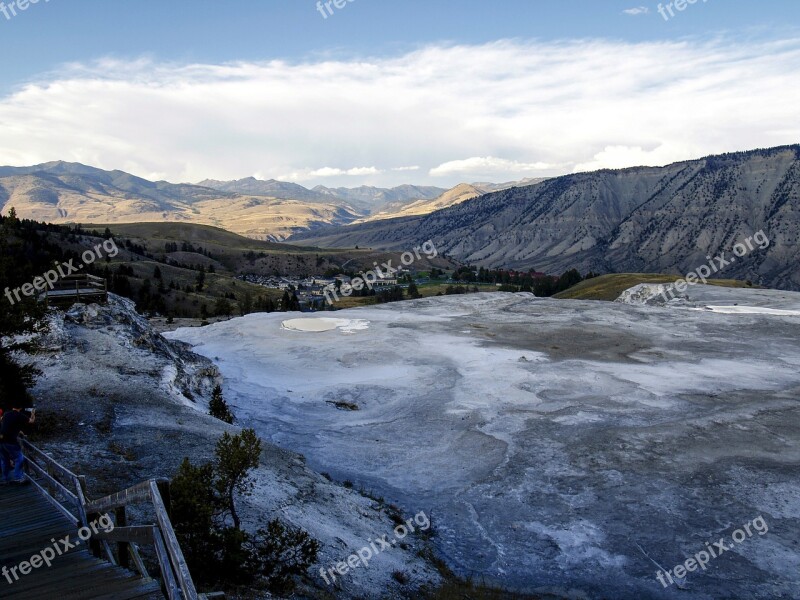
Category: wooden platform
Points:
column 28, row 524
column 76, row 288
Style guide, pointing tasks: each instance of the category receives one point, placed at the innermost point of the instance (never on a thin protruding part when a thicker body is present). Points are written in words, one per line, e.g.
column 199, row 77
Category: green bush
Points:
column 218, row 551
column 283, row 553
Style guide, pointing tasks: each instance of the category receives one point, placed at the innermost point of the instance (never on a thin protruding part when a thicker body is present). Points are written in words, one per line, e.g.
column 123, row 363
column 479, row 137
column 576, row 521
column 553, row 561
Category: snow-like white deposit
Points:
column 650, row 294
column 753, row 310
column 322, row 324
column 716, row 298
column 549, row 440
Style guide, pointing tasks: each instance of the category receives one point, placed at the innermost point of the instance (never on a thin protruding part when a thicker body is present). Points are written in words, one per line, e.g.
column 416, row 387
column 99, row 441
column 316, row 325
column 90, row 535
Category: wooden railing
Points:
column 66, row 491
column 74, row 288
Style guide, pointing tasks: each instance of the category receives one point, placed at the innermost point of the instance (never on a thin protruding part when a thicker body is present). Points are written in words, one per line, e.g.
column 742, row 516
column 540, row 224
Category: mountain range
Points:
column 61, row 192
column 646, row 219
column 643, row 219
column 369, row 201
column 363, row 199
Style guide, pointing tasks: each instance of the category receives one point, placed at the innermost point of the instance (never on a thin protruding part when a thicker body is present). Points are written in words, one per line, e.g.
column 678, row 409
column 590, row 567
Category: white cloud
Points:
column 620, row 157
column 333, row 172
column 487, row 165
column 636, row 11
column 515, row 107
column 362, row 171
column 413, row 168
column 325, row 172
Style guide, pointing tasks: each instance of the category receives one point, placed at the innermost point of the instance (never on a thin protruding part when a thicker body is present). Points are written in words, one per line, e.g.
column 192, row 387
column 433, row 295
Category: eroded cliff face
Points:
column 646, row 219
column 120, row 404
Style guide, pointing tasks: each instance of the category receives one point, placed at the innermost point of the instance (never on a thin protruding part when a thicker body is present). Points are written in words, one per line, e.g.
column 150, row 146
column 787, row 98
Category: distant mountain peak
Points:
column 635, row 220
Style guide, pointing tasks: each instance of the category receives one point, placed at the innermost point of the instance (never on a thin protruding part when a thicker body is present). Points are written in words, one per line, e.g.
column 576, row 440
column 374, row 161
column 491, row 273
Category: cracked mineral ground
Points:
column 558, row 446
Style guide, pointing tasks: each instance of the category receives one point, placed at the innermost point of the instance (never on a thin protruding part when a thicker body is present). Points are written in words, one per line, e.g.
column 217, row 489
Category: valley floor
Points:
column 558, row 446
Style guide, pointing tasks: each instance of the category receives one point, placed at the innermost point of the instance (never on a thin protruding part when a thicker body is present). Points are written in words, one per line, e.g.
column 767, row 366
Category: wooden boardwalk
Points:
column 76, row 288
column 28, row 525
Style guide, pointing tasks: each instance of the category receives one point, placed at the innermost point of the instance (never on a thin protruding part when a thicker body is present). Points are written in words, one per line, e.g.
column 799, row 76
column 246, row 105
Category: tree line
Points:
column 539, row 284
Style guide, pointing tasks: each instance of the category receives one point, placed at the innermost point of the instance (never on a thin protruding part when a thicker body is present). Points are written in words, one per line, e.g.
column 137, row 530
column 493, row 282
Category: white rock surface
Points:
column 548, row 438
column 123, row 405
column 651, row 294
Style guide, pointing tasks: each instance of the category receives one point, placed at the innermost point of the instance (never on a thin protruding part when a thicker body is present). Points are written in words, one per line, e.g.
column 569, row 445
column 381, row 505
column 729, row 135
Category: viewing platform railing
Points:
column 67, row 492
column 76, row 288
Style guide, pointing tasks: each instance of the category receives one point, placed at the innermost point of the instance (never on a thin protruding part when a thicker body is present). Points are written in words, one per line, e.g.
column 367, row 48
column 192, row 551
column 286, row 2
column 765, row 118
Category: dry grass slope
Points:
column 609, row 287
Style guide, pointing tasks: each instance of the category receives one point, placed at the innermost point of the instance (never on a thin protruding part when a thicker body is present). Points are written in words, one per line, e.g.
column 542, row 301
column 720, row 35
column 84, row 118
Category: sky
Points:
column 385, row 92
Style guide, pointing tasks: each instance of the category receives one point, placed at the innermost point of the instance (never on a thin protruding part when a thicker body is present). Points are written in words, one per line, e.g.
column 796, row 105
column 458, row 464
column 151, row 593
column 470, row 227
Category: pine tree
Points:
column 201, row 279
column 194, row 507
column 223, row 308
column 246, row 305
column 204, row 504
column 218, row 407
column 236, row 457
column 18, row 320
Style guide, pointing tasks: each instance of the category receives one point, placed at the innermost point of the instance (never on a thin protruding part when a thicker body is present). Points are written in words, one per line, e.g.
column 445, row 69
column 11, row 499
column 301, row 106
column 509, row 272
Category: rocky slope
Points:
column 645, row 219
column 372, row 199
column 121, row 404
column 452, row 197
column 271, row 188
column 457, row 195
